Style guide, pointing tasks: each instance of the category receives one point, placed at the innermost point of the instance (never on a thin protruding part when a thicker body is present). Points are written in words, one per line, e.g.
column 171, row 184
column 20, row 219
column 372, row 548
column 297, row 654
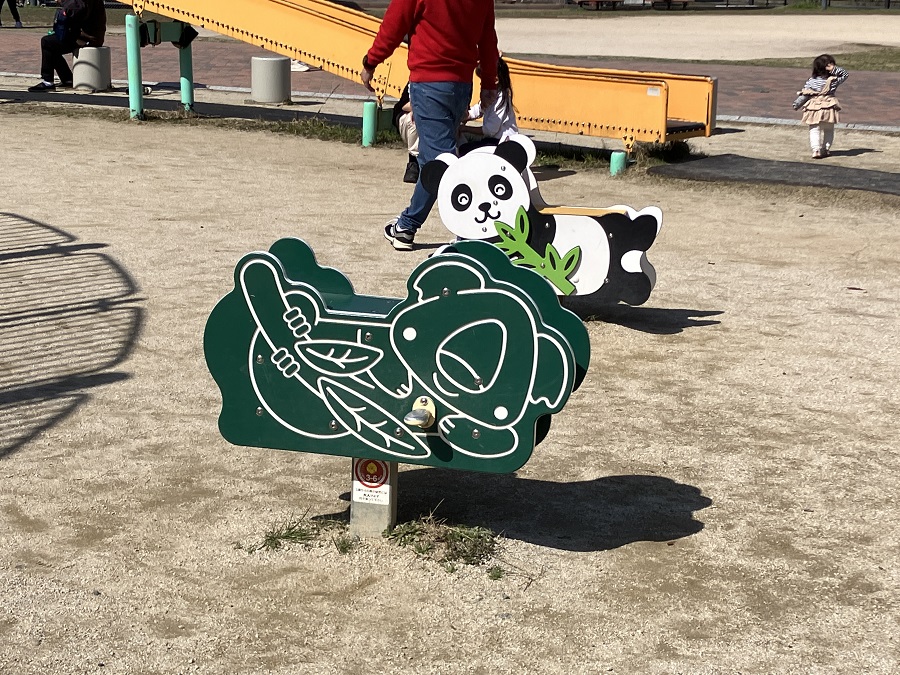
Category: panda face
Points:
column 476, row 191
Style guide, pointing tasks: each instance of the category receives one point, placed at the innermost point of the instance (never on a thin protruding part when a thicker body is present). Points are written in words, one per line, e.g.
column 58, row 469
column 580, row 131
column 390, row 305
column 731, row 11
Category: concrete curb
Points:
column 748, row 119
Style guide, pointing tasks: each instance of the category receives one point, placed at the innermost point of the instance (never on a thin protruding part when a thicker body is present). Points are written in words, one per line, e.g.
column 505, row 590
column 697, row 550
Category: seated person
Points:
column 78, row 23
column 406, row 126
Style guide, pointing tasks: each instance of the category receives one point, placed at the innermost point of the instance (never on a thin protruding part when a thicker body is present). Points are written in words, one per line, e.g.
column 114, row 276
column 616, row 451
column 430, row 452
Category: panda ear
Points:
column 526, row 143
column 434, row 171
column 513, row 153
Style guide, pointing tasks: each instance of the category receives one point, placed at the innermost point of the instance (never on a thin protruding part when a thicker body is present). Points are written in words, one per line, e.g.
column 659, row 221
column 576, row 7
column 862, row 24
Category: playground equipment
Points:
column 627, row 105
column 491, row 194
column 464, row 373
column 139, row 34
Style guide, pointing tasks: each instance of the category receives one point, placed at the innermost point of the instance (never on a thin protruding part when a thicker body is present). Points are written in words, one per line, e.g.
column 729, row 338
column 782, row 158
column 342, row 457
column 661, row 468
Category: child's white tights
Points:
column 821, row 136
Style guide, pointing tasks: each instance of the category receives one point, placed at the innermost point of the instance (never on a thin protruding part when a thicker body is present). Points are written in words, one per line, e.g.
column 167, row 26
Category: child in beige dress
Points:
column 820, row 111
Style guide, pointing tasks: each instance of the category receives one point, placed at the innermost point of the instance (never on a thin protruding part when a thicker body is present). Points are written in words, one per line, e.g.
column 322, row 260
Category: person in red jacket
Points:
column 447, row 40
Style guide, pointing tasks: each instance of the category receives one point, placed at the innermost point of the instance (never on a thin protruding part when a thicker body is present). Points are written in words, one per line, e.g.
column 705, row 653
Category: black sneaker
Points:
column 412, row 172
column 401, row 241
column 42, row 86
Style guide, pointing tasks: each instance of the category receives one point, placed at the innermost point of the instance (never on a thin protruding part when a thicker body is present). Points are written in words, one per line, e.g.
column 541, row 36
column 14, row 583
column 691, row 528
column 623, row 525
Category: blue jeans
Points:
column 438, row 109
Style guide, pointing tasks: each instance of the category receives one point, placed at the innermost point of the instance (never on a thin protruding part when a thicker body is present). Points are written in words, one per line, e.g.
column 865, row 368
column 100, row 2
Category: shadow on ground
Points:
column 68, row 315
column 645, row 319
column 594, row 515
column 547, row 172
column 299, row 109
column 748, row 169
column 721, row 131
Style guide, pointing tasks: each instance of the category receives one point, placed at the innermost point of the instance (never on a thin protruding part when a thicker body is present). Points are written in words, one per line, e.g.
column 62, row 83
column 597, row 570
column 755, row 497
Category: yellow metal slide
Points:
column 627, row 105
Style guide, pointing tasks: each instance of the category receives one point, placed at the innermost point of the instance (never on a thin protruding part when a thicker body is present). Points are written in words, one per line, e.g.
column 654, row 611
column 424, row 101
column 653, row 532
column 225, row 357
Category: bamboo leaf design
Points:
column 550, row 265
column 370, row 423
column 522, row 224
column 570, row 262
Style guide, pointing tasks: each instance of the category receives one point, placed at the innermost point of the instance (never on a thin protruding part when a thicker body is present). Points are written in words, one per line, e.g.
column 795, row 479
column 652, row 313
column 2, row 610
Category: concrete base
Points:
column 270, row 79
column 373, row 498
column 91, row 69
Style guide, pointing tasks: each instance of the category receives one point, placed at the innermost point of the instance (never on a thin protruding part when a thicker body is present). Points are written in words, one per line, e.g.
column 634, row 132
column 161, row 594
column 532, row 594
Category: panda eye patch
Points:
column 500, row 187
column 461, row 197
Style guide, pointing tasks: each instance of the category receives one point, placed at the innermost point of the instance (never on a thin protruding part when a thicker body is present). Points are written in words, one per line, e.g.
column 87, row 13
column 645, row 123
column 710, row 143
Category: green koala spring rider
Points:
column 465, row 372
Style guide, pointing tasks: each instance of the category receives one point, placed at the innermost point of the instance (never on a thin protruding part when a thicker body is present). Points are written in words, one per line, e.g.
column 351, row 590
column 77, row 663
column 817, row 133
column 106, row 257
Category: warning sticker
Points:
column 370, row 481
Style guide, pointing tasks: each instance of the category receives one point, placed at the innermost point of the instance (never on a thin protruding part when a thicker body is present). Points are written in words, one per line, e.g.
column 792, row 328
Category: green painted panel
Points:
column 305, row 364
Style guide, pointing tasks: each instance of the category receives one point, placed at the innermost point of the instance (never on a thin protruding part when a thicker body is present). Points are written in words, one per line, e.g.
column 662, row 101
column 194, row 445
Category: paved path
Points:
column 868, row 98
column 701, row 35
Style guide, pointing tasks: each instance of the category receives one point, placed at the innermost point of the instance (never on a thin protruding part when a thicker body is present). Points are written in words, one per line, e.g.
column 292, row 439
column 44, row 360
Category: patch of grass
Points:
column 651, row 154
column 569, row 157
column 307, row 127
column 293, row 530
column 302, row 530
column 313, row 127
column 869, row 57
column 344, row 543
column 433, row 538
column 644, row 155
column 495, row 573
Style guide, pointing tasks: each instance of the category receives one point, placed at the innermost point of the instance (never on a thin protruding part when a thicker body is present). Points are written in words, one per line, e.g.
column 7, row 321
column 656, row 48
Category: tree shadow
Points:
column 654, row 320
column 68, row 315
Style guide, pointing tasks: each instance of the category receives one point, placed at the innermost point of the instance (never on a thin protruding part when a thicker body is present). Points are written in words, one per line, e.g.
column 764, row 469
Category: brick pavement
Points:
column 217, row 62
column 869, row 98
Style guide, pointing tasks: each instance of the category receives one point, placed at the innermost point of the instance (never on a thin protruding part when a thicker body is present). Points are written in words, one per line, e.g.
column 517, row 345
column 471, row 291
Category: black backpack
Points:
column 68, row 21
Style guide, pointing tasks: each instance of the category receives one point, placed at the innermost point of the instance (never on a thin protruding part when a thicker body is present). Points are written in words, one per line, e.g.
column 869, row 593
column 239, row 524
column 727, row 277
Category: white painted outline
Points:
column 327, row 385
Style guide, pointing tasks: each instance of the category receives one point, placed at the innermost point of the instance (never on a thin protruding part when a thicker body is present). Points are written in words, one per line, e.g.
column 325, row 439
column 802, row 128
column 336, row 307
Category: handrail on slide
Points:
column 628, row 105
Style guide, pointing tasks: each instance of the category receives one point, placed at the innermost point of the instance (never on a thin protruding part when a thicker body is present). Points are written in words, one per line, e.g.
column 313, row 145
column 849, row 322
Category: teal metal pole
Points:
column 370, row 123
column 618, row 161
column 186, row 62
column 133, row 54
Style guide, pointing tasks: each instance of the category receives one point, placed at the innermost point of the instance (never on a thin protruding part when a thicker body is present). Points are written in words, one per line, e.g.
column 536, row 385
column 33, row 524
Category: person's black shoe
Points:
column 65, row 85
column 42, row 86
column 412, row 172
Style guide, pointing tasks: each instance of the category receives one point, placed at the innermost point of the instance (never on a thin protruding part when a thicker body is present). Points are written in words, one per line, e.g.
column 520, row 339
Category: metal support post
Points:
column 133, row 54
column 369, row 123
column 186, row 63
column 373, row 497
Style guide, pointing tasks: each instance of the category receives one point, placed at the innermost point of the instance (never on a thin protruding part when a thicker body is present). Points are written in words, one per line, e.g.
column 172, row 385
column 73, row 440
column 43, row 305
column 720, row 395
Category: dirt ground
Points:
column 720, row 496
